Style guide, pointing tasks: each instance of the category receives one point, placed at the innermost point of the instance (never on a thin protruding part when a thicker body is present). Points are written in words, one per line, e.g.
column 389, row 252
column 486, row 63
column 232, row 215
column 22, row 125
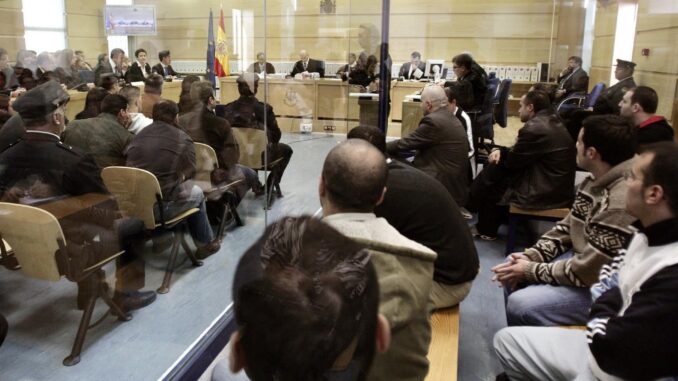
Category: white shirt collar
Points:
column 43, row 132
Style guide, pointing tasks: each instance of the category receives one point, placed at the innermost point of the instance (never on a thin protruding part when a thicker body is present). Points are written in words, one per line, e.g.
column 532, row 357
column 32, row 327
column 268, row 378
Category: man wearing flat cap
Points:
column 608, row 101
column 40, row 167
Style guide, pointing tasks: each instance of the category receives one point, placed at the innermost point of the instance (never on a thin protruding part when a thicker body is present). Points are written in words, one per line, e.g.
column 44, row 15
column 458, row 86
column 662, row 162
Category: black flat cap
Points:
column 625, row 64
column 40, row 100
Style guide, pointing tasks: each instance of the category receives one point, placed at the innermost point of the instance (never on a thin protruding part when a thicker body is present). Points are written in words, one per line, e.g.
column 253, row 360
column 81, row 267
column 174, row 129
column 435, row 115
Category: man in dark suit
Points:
column 41, row 166
column 441, row 144
column 572, row 79
column 164, row 67
column 409, row 69
column 258, row 66
column 471, row 83
column 140, row 69
column 247, row 111
column 306, row 65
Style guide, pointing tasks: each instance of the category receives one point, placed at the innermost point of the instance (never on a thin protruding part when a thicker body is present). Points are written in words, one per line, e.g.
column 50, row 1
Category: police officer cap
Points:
column 40, row 100
column 625, row 64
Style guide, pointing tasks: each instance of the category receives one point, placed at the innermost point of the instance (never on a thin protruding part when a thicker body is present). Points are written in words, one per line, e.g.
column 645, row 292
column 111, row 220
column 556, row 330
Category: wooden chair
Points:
column 444, row 348
column 137, row 191
column 517, row 214
column 206, row 162
column 40, row 248
column 252, row 143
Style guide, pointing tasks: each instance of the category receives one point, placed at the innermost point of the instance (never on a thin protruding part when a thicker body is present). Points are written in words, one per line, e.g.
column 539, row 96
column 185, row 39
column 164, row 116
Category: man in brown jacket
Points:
column 547, row 285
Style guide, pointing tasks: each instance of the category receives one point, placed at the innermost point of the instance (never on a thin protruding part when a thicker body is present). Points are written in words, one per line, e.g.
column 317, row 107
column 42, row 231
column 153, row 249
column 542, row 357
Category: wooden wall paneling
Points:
column 11, row 27
column 571, row 16
column 664, row 85
column 602, row 51
column 85, row 26
column 85, row 7
column 599, row 74
column 653, row 14
column 606, row 19
column 663, row 56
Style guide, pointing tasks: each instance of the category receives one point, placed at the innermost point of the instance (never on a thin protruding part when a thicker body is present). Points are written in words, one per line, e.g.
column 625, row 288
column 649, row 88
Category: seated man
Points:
column 352, row 183
column 421, row 209
column 345, row 69
column 306, row 66
column 631, row 332
column 166, row 151
column 413, row 69
column 247, row 111
column 261, row 65
column 471, row 80
column 138, row 121
column 324, row 307
column 607, row 102
column 203, row 126
column 572, row 79
column 152, row 94
column 164, row 67
column 104, row 137
column 39, row 166
column 640, row 104
column 536, row 173
column 596, row 228
column 441, row 144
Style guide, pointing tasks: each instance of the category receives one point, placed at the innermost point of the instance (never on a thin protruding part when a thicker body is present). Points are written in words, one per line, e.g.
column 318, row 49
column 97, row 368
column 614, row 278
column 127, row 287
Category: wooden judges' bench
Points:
column 170, row 90
column 326, row 103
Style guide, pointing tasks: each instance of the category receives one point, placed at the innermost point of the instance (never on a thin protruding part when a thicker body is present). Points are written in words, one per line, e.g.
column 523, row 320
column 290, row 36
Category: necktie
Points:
column 305, row 65
column 165, row 69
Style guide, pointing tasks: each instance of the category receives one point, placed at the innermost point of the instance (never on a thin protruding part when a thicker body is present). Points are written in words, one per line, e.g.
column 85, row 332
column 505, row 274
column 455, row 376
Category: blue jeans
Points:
column 547, row 305
column 198, row 224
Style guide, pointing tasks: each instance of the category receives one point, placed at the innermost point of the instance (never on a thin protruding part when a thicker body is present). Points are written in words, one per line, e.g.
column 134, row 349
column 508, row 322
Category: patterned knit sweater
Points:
column 595, row 230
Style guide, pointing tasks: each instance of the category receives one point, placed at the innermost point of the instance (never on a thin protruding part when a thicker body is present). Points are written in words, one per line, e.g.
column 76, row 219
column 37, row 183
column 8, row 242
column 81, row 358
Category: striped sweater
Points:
column 595, row 230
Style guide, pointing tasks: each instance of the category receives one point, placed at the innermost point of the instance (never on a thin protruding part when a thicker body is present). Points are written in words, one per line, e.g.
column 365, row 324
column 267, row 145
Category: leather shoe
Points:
column 133, row 300
column 208, row 249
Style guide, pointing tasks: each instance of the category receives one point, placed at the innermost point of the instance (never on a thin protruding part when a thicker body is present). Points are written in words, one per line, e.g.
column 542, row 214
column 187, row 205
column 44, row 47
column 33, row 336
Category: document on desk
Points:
column 417, row 73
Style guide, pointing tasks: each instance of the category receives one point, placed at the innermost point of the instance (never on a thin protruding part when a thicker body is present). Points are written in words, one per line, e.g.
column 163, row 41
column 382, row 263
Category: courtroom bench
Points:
column 443, row 351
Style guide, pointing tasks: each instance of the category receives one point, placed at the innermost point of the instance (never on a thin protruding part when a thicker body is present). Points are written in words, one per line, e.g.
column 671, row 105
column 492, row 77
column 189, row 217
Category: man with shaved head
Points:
column 352, row 183
column 441, row 144
column 306, row 65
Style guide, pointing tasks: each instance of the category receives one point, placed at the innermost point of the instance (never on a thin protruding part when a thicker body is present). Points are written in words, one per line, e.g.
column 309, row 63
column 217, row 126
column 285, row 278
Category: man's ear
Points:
column 383, row 334
column 381, row 198
column 654, row 194
column 236, row 358
column 321, row 186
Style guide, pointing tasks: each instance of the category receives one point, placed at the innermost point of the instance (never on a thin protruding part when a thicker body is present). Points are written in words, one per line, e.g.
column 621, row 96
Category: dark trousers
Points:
column 487, row 191
column 278, row 151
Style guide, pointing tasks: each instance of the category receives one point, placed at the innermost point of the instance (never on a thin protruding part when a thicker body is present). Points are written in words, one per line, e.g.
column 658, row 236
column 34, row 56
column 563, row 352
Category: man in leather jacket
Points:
column 536, row 173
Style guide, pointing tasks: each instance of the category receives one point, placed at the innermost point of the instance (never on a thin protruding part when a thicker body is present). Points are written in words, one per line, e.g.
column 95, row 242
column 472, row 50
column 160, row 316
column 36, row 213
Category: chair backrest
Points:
column 501, row 109
column 205, row 162
column 491, row 94
column 593, row 96
column 136, row 191
column 252, row 143
column 33, row 234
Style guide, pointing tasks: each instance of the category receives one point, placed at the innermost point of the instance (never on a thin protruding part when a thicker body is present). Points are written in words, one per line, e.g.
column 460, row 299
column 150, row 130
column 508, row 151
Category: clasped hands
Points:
column 512, row 272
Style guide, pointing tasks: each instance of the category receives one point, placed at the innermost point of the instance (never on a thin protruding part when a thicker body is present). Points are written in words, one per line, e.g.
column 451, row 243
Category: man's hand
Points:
column 511, row 272
column 494, row 156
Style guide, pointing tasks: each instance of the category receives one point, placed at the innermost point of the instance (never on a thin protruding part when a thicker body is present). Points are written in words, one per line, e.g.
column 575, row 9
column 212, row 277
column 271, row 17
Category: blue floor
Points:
column 43, row 319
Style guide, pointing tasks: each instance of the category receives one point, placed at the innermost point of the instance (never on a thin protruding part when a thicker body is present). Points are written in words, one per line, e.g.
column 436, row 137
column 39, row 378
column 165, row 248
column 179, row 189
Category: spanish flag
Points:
column 221, row 68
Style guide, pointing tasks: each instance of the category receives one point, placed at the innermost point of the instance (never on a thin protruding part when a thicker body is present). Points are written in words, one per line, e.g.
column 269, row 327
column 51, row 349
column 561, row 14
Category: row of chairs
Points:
column 39, row 245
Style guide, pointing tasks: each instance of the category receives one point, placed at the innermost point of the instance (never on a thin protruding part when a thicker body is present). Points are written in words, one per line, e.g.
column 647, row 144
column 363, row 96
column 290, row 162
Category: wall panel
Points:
column 11, row 27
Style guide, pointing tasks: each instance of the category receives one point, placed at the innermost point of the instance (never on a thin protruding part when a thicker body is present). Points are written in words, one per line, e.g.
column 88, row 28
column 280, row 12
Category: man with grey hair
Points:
column 441, row 144
column 307, row 65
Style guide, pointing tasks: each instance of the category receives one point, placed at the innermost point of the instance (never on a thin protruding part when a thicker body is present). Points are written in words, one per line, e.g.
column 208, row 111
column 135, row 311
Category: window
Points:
column 45, row 25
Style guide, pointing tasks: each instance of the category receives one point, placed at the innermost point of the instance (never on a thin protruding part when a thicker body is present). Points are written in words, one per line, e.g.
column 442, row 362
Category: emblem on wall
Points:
column 328, row 7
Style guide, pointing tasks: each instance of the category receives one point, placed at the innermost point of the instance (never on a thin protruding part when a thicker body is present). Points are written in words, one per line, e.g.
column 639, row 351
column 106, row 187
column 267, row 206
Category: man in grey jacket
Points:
column 441, row 144
column 352, row 183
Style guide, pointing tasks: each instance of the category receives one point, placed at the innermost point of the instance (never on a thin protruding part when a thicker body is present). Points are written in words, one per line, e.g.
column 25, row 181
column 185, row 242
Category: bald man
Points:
column 352, row 183
column 306, row 65
column 441, row 144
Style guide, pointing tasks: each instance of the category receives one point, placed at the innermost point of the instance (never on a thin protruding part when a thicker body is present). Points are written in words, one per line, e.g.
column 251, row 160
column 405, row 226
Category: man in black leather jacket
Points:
column 536, row 173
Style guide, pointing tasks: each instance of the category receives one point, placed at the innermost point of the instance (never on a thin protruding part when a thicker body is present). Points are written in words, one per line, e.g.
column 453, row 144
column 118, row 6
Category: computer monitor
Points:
column 434, row 67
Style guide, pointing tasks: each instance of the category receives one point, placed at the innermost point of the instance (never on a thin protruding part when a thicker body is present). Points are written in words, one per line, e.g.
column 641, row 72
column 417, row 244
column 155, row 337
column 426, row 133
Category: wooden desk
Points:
column 412, row 114
column 65, row 207
column 170, row 90
column 400, row 89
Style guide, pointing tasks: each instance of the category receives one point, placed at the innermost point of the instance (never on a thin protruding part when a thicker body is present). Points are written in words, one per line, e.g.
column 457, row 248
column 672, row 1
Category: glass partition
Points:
column 319, row 69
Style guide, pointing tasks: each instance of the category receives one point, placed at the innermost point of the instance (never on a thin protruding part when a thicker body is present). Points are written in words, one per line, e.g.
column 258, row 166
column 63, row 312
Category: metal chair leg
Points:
column 189, row 253
column 164, row 288
column 115, row 309
column 74, row 357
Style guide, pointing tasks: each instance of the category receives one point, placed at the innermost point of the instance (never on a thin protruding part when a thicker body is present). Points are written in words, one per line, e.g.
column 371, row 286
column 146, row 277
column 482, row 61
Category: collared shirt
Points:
column 43, row 132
